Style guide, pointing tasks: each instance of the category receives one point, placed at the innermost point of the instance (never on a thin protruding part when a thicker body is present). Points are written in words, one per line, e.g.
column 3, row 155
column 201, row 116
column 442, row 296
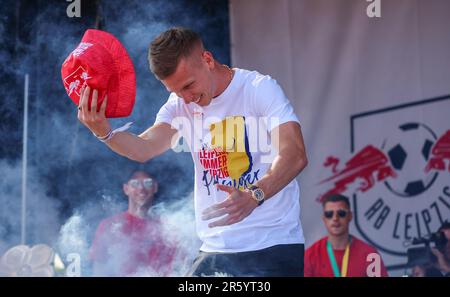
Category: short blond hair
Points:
column 169, row 47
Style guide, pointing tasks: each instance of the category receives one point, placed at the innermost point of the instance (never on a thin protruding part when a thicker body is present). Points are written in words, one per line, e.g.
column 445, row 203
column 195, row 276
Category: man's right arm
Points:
column 151, row 143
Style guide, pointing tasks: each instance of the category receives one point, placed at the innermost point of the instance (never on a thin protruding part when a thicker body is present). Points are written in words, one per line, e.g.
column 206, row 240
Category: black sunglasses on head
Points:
column 330, row 213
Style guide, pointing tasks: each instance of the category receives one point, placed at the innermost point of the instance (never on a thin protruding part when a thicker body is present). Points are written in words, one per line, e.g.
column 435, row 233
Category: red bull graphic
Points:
column 397, row 175
column 440, row 153
column 369, row 164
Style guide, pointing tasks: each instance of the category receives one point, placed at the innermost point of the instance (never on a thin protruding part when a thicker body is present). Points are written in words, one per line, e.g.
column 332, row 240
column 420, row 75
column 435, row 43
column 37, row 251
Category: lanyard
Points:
column 334, row 265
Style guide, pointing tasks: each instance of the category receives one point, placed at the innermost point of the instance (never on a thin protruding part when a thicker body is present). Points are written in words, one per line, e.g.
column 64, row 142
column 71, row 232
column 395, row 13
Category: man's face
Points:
column 418, row 271
column 192, row 80
column 140, row 189
column 336, row 216
column 447, row 234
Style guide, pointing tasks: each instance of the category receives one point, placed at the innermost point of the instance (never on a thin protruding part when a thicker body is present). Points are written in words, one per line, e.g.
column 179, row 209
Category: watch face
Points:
column 259, row 194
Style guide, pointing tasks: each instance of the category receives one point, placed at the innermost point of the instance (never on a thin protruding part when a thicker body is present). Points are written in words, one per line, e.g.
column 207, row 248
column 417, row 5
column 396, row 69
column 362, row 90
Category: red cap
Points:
column 101, row 62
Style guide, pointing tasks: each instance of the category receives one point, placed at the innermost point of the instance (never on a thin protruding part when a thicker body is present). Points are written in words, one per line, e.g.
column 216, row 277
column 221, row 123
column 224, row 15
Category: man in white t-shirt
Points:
column 246, row 197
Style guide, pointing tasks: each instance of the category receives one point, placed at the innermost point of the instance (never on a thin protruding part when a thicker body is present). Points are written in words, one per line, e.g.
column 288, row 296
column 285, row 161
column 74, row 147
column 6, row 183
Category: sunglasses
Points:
column 330, row 213
column 147, row 183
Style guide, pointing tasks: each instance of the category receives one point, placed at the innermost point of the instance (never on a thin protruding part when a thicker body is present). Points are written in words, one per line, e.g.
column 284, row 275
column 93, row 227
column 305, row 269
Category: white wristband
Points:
column 112, row 132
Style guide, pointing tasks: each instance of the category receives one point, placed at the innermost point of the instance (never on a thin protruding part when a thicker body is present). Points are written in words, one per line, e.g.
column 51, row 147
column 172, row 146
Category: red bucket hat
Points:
column 101, row 62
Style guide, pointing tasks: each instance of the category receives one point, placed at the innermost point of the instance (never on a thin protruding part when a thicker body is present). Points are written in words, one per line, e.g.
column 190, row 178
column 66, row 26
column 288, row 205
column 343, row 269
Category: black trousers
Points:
column 278, row 260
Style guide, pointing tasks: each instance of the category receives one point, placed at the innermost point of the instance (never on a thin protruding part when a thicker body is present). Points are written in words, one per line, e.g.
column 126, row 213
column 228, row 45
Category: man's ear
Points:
column 350, row 216
column 208, row 58
column 125, row 189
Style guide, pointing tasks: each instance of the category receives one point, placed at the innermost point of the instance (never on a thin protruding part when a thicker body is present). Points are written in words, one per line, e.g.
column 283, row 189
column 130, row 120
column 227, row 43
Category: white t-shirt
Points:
column 228, row 140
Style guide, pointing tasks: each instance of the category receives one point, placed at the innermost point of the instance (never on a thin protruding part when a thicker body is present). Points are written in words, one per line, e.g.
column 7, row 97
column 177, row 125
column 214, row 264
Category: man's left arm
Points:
column 289, row 162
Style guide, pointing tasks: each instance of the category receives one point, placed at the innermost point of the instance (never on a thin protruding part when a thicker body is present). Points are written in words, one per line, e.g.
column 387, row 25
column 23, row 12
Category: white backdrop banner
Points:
column 372, row 94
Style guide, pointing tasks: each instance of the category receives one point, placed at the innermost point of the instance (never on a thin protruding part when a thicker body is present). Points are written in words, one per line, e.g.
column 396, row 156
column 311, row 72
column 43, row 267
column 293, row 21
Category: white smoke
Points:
column 179, row 224
column 177, row 229
column 41, row 210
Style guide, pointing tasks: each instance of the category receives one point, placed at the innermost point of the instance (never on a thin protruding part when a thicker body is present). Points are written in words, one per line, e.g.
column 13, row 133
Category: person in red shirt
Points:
column 339, row 253
column 131, row 243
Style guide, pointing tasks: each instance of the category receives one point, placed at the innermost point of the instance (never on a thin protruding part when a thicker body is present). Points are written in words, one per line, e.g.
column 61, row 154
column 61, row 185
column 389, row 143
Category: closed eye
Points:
column 188, row 86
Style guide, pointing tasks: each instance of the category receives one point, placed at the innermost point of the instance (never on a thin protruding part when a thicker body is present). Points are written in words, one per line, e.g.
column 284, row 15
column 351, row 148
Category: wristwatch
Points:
column 257, row 194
